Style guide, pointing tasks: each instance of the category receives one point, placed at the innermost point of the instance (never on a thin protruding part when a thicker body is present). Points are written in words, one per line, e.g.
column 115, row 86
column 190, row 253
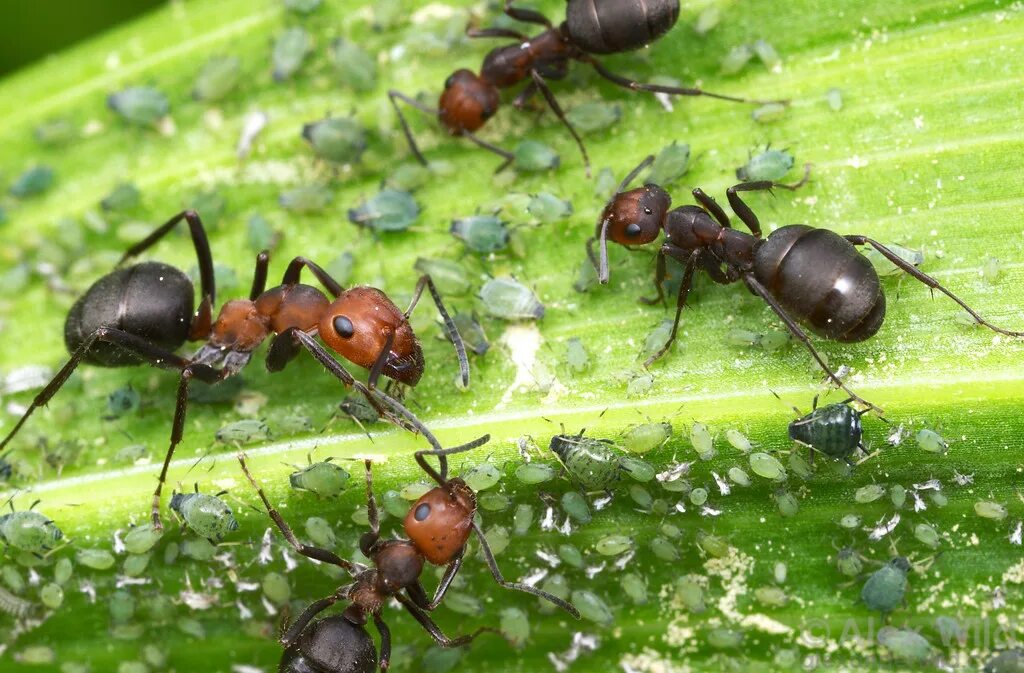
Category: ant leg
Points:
column 442, row 477
column 632, row 85
column 369, row 539
column 294, row 271
column 449, row 325
column 495, row 32
column 385, row 642
column 207, row 282
column 508, row 157
column 312, row 610
column 631, row 176
column 800, row 183
column 710, row 205
column 743, row 211
column 916, row 273
column 518, row 586
column 259, row 275
column 795, row 330
column 310, row 552
column 659, row 279
column 395, row 96
column 434, row 630
column 527, row 15
column 602, row 264
column 524, row 96
column 553, row 103
column 684, row 291
column 419, row 595
column 381, row 361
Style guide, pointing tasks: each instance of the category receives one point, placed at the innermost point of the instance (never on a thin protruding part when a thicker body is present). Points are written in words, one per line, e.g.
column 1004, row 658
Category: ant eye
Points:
column 448, row 82
column 486, row 113
column 632, row 229
column 422, row 512
column 343, row 326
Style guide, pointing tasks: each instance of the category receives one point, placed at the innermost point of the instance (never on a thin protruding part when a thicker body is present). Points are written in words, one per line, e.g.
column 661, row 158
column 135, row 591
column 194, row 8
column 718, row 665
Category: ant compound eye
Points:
column 343, row 326
column 448, row 82
column 632, row 229
column 422, row 512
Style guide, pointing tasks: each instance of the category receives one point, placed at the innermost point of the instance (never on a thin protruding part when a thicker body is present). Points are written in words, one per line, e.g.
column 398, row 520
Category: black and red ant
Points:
column 804, row 274
column 438, row 526
column 590, row 27
column 143, row 313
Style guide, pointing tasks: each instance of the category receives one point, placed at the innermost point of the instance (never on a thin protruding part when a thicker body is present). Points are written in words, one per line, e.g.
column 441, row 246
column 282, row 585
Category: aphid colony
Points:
column 144, row 313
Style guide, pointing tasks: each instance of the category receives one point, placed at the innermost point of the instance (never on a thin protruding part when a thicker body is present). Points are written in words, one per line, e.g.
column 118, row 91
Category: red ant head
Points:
column 358, row 326
column 635, row 217
column 467, row 102
column 399, row 564
column 440, row 522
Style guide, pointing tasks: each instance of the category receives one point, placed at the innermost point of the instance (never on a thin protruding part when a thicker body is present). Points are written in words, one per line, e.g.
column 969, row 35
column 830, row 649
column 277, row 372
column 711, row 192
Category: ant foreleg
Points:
column 508, row 157
column 527, row 15
column 419, row 595
column 368, row 540
column 442, row 455
column 207, row 282
column 293, row 274
column 473, row 32
column 553, row 103
column 916, row 273
column 631, row 176
column 684, row 291
column 434, row 630
column 709, row 204
column 449, row 325
column 795, row 330
column 659, row 280
column 392, row 96
column 743, row 211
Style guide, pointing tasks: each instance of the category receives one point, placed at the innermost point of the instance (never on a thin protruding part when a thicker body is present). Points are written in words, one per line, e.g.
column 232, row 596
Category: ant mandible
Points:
column 438, row 526
column 143, row 313
column 590, row 27
column 803, row 273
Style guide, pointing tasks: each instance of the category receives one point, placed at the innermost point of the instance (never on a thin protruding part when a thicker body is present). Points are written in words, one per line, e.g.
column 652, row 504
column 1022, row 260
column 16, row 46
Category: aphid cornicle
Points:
column 805, row 275
column 143, row 313
column 438, row 525
column 590, row 27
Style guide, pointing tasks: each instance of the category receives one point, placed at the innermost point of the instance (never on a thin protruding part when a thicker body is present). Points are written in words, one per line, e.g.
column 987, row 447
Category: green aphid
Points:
column 570, row 555
column 931, row 441
column 770, row 596
column 535, row 473
column 646, row 436
column 353, row 66
column 515, row 626
column 691, row 595
column 218, row 78
column 594, row 116
column 207, row 515
column 885, row 588
column 243, row 432
column 736, row 59
column 359, row 409
column 497, row 539
column 906, row 645
column 388, row 210
column 664, row 549
column 849, row 563
column 635, row 588
column 306, row 199
column 885, row 267
column 324, row 479
column 97, row 559
column 52, row 596
column 481, row 233
column 509, row 299
column 768, row 165
column 122, row 401
column 522, row 519
column 320, row 532
column 142, row 538
column 669, row 165
column 13, row 579
column 927, row 535
column 408, row 177
column 613, row 545
column 124, row 196
column 29, row 531
column 481, row 477
column 450, row 277
column 290, row 50
column 869, row 493
column 472, row 333
column 592, row 607
column 723, row 638
column 702, row 440
column 834, row 430
column 62, row 570
column 54, row 132
column 850, row 521
column 713, row 545
column 548, row 208
column 990, row 510
column 769, row 112
column 139, row 105
column 767, row 466
column 338, row 139
column 302, row 6
column 135, row 565
column 577, row 359
column 586, row 276
column 32, row 182
column 787, row 503
column 739, row 441
column 641, row 496
column 592, row 463
column 575, row 505
column 656, row 339
column 532, row 156
column 276, row 588
column 699, row 496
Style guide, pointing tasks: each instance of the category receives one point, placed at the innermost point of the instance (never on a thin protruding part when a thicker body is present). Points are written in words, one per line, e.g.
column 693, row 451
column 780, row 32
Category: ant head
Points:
column 363, row 324
column 635, row 217
column 439, row 522
column 467, row 102
column 399, row 565
column 239, row 327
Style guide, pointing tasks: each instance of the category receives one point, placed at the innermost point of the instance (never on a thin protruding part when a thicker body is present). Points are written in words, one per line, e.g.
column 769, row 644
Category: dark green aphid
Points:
column 290, row 50
column 29, row 531
column 595, row 116
column 509, row 299
column 207, row 515
column 354, row 67
column 33, row 181
column 306, row 199
column 671, row 164
column 243, row 432
column 338, row 139
column 324, row 479
column 531, row 156
column 450, row 277
column 848, row 562
column 1009, row 661
column 139, row 105
column 472, row 333
column 885, row 589
column 768, row 165
column 834, row 430
column 124, row 196
column 122, row 401
column 388, row 210
column 481, row 233
column 586, row 277
column 302, row 6
column 218, row 77
column 356, row 407
column 54, row 132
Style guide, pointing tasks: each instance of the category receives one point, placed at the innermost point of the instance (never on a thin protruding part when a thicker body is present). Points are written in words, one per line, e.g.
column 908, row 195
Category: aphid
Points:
column 290, row 50
column 931, row 441
column 592, row 607
column 797, row 270
column 481, row 233
column 494, row 501
column 849, row 563
column 470, row 99
column 738, row 440
column 592, row 463
column 29, row 531
column 722, row 638
column 353, row 66
column 481, row 477
column 702, row 440
column 302, row 6
column 276, row 588
column 438, row 526
column 635, row 588
column 514, row 626
column 576, row 356
column 736, row 59
column 1008, row 661
column 699, row 496
column 139, row 105
column 884, row 589
column 122, row 401
column 906, row 645
column 767, row 466
column 886, row 268
column 768, row 165
column 509, row 299
column 338, row 139
column 834, row 97
column 387, row 210
column 646, row 437
column 245, row 431
column 450, row 277
column 218, row 78
column 575, row 505
column 787, row 503
column 144, row 312
column 706, row 21
column 868, row 493
column 990, row 510
column 522, row 519
column 897, row 495
column 594, row 116
column 927, row 535
column 833, row 430
column 770, row 596
column 306, row 199
column 690, row 594
column 141, row 538
column 664, row 549
column 124, row 196
column 656, row 339
column 32, row 182
column 320, row 532
column 738, row 476
column 97, row 559
column 670, row 164
column 548, row 208
column 54, row 132
column 535, row 473
column 207, row 515
column 768, row 113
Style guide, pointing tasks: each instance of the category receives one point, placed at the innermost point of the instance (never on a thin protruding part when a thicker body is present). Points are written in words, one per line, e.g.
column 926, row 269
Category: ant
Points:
column 590, row 27
column 438, row 526
column 803, row 273
column 144, row 313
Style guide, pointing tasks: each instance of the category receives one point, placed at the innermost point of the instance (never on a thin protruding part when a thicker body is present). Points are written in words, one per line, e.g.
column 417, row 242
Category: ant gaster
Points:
column 590, row 27
column 438, row 526
column 144, row 312
column 804, row 274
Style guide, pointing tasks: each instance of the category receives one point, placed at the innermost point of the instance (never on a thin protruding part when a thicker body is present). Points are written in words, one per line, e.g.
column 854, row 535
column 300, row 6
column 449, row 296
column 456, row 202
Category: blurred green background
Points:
column 30, row 31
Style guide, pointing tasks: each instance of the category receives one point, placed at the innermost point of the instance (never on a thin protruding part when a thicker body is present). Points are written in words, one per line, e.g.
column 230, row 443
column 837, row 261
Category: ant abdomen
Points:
column 613, row 27
column 331, row 645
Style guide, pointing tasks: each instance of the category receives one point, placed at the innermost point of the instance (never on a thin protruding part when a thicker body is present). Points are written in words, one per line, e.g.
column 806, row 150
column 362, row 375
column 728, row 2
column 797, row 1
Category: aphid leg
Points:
column 632, row 85
column 709, row 204
column 631, row 176
column 795, row 330
column 916, row 273
column 434, row 630
column 385, row 642
column 492, row 564
column 557, row 109
column 441, row 477
column 419, row 595
column 684, row 290
column 293, row 273
column 449, row 325
column 527, row 15
column 259, row 275
column 394, row 97
column 314, row 608
column 797, row 185
column 207, row 283
column 306, row 550
column 659, row 281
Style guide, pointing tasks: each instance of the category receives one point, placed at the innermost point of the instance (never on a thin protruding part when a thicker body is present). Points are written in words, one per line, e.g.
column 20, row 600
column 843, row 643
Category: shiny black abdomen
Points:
column 835, row 430
column 331, row 645
column 151, row 300
column 612, row 26
column 822, row 280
